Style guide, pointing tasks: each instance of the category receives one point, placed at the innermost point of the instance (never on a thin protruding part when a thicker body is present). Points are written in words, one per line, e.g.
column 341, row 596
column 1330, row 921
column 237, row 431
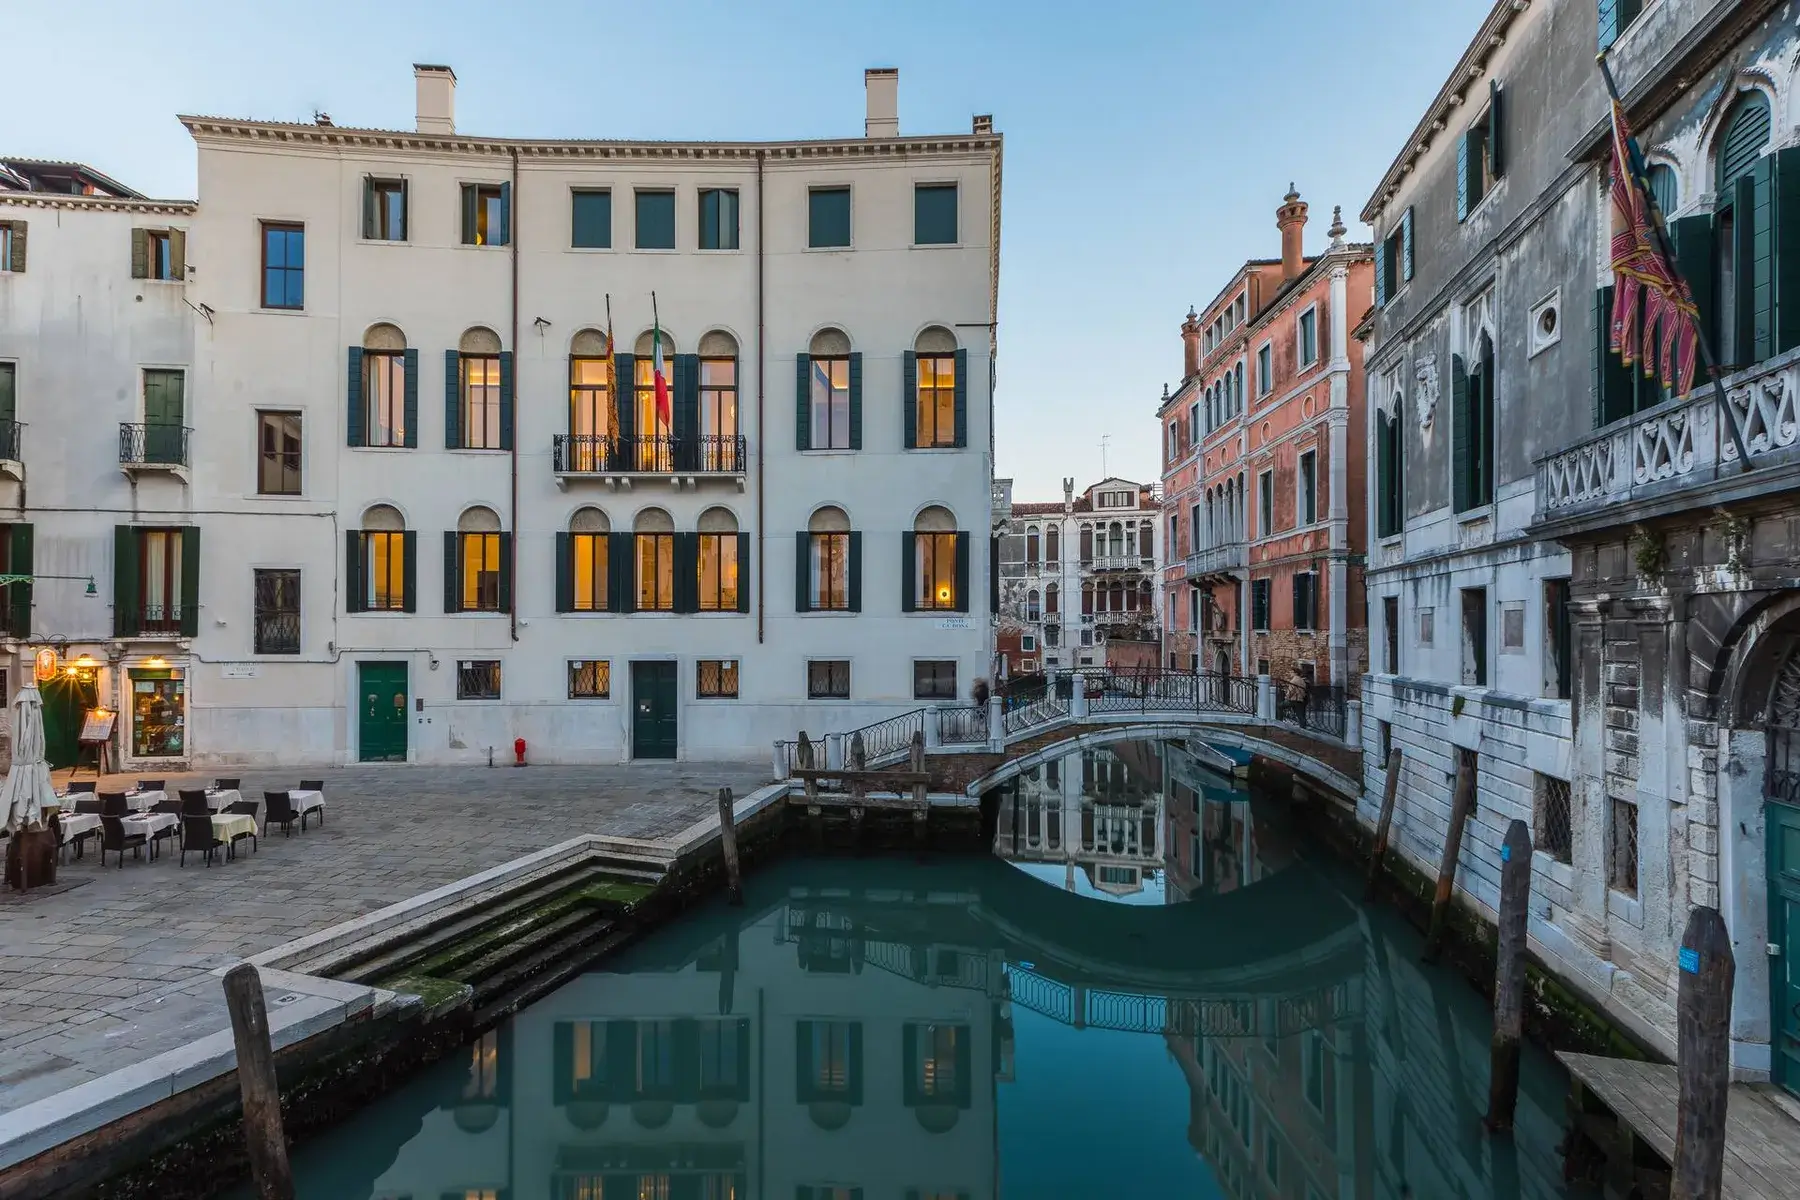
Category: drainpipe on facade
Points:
column 761, row 532
column 512, row 246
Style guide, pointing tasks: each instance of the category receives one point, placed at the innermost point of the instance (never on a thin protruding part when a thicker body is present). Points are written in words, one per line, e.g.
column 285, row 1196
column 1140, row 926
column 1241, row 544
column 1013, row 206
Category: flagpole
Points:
column 1659, row 235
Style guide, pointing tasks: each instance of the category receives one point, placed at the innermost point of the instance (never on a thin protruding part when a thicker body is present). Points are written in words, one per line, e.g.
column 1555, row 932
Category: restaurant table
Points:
column 306, row 801
column 229, row 825
column 218, row 800
column 75, row 824
column 150, row 824
column 144, row 801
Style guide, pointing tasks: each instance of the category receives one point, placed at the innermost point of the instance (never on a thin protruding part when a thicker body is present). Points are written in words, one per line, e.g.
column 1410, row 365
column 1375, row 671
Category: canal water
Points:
column 1152, row 988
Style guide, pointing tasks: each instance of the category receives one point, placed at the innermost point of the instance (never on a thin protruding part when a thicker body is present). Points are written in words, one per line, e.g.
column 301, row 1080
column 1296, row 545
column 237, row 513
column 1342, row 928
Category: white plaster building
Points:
column 799, row 529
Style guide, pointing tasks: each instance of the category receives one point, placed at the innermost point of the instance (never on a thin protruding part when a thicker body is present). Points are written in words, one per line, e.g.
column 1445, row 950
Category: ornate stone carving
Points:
column 1425, row 395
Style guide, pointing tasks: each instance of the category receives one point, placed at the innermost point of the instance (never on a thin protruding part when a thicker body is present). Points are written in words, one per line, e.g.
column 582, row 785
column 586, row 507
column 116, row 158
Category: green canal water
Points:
column 1151, row 988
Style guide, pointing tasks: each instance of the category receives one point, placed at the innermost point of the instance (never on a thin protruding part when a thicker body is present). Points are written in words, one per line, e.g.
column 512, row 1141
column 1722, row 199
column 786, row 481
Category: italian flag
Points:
column 662, row 378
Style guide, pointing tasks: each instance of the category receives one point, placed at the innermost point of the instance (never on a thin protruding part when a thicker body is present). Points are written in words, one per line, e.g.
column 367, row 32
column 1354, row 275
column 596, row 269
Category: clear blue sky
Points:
column 1147, row 144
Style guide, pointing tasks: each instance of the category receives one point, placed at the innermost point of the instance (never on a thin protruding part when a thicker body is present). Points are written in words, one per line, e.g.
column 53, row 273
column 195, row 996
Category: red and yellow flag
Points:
column 1668, row 340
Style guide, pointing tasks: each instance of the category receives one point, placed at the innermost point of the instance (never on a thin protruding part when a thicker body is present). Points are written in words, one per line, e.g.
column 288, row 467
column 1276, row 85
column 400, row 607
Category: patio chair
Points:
column 89, row 806
column 193, row 802
column 312, row 785
column 114, row 836
column 112, row 804
column 281, row 812
column 242, row 808
column 152, row 785
column 167, row 806
column 238, row 837
column 88, row 787
column 197, row 835
column 223, row 784
column 163, row 835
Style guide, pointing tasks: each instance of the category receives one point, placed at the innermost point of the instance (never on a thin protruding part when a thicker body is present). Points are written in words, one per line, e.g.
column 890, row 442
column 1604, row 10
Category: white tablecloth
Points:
column 150, row 824
column 75, row 824
column 144, row 801
column 307, row 801
column 219, row 801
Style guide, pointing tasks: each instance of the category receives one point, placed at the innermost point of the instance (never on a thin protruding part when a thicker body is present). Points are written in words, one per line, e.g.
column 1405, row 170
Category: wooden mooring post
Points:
column 1389, row 795
column 734, row 876
column 1703, row 1056
column 263, row 1135
column 1509, row 977
column 1463, row 801
column 921, row 797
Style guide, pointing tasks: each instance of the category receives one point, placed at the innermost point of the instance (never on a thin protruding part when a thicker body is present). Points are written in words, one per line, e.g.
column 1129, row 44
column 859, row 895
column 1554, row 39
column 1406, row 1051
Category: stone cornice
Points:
column 97, row 203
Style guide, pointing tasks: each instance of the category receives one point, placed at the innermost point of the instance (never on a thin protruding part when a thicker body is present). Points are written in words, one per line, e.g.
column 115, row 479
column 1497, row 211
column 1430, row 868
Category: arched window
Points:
column 591, row 418
column 830, row 382
column 1033, row 606
column 1052, row 545
column 1147, row 540
column 940, row 562
column 1052, row 594
column 655, row 419
column 653, row 561
column 1743, row 138
column 387, row 373
column 584, row 561
column 833, row 556
column 480, row 579
column 1663, row 187
column 1086, row 548
column 380, row 567
column 719, row 449
column 1031, row 546
column 1472, row 434
column 1237, row 389
column 1087, row 599
column 938, row 385
column 720, row 547
column 478, row 422
column 1115, row 540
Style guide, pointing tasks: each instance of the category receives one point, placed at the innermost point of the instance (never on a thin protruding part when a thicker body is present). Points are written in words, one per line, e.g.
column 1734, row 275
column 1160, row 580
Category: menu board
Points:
column 98, row 726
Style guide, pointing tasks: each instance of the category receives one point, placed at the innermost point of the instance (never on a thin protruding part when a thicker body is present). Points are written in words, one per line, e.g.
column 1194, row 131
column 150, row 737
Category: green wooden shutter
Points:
column 452, row 400
column 853, row 569
column 625, row 398
column 1618, row 382
column 19, row 595
column 743, row 573
column 1786, row 219
column 687, row 572
column 856, row 400
column 354, row 413
column 1496, row 129
column 1462, row 177
column 1381, row 279
column 505, row 238
column 506, row 571
column 962, row 571
column 127, row 599
column 177, row 254
column 962, row 398
column 1741, row 145
column 368, row 206
column 409, row 571
column 1483, row 422
column 621, row 572
column 1696, row 259
column 18, row 247
column 468, row 214
column 190, row 581
column 1762, row 261
column 140, row 254
column 685, row 412
column 803, row 402
column 506, row 400
column 909, row 399
column 410, row 413
column 452, row 593
column 1384, row 476
column 1743, row 208
column 1461, row 464
column 356, row 598
column 909, row 573
column 565, row 571
column 994, row 577
column 1406, row 244
column 802, row 572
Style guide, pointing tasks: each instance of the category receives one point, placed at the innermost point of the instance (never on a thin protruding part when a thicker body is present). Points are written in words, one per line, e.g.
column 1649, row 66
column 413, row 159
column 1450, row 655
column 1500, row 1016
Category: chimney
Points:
column 1290, row 218
column 882, row 87
column 1190, row 346
column 983, row 123
column 437, row 98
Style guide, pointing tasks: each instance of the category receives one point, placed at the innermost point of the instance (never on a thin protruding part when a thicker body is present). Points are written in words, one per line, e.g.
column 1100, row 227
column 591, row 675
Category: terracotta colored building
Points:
column 1263, row 475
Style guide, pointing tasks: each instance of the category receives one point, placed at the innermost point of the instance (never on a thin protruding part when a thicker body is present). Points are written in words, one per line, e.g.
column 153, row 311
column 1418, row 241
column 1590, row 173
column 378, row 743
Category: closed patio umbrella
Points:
column 27, row 788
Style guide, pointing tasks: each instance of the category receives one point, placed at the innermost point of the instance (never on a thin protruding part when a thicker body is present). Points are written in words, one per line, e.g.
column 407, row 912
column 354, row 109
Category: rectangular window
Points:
column 1477, row 165
column 159, row 580
column 384, row 396
column 828, row 679
column 1265, row 504
column 1312, row 1069
column 830, row 403
column 716, row 679
column 1308, row 331
column 934, row 679
column 278, row 453
column 936, row 412
column 1265, row 370
column 1028, row 643
column 158, row 712
column 384, row 210
column 11, row 236
column 1622, row 848
column 1306, row 600
column 1554, row 833
column 480, row 401
column 484, row 214
column 277, row 612
column 384, row 570
column 828, row 218
column 1384, row 739
column 1259, row 605
column 718, row 219
column 1309, row 487
column 159, row 254
column 478, row 679
column 719, row 415
column 1559, row 637
column 590, row 679
column 590, row 219
column 655, row 572
column 829, row 590
column 655, row 220
column 718, row 572
column 587, row 571
column 1427, row 626
column 1390, row 635
column 478, row 557
column 938, row 1053
column 1616, row 17
column 283, row 265
column 935, row 555
column 1391, row 265
column 934, row 214
column 1262, row 666
column 1474, row 637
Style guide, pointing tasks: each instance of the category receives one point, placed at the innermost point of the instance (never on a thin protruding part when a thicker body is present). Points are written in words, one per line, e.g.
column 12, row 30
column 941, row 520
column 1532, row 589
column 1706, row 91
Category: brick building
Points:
column 1263, row 468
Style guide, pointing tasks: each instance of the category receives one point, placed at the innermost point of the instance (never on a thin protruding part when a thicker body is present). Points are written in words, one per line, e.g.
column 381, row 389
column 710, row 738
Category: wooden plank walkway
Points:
column 1762, row 1139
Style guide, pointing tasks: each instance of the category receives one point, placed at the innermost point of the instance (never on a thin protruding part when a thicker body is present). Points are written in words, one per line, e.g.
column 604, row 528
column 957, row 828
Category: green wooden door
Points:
column 653, row 710
column 66, row 702
column 163, row 415
column 1783, row 821
column 381, row 711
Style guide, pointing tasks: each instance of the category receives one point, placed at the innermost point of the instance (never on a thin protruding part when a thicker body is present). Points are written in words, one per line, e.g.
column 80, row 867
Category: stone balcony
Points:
column 1678, row 455
column 1226, row 559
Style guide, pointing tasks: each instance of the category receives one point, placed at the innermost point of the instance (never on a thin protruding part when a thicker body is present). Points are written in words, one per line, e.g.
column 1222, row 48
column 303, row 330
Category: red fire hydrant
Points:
column 518, row 752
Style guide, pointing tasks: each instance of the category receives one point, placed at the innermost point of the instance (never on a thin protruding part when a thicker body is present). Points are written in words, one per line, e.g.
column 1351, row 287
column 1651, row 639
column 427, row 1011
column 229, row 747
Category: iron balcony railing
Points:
column 159, row 618
column 153, row 445
column 1119, row 562
column 12, row 441
column 963, row 726
column 1031, row 705
column 1171, row 691
column 886, row 737
column 1217, row 560
column 1320, row 707
column 648, row 454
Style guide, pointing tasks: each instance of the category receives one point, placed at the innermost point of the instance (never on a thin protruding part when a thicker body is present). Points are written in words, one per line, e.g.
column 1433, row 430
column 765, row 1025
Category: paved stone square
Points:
column 100, row 976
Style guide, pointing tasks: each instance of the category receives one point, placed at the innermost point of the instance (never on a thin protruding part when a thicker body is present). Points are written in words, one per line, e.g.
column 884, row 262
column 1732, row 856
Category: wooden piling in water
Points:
column 734, row 877
column 1703, row 1056
column 1459, row 817
column 263, row 1136
column 1389, row 795
column 1509, row 977
column 921, row 798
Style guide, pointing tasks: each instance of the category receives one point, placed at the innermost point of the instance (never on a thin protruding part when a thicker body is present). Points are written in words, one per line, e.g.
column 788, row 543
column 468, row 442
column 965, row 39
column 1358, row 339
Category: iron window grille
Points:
column 828, row 679
column 1554, row 830
column 478, row 679
column 717, row 679
column 277, row 602
column 590, row 679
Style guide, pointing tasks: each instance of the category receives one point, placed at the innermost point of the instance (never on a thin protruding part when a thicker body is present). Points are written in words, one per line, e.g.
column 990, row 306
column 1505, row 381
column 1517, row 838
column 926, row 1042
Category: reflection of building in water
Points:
column 1092, row 811
column 1213, row 840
